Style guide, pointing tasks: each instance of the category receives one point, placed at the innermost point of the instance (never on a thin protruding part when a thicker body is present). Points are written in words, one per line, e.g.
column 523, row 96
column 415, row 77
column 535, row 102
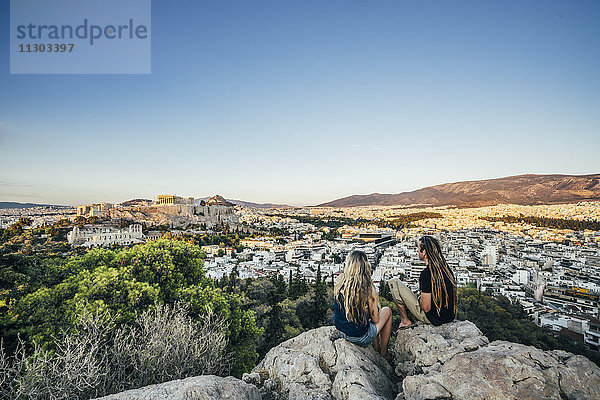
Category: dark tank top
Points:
column 342, row 324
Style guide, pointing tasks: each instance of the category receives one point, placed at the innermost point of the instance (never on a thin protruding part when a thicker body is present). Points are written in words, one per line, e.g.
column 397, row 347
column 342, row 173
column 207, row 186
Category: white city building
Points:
column 103, row 236
column 489, row 256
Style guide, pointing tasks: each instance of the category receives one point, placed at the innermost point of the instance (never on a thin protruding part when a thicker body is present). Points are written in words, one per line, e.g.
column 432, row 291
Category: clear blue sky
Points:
column 302, row 102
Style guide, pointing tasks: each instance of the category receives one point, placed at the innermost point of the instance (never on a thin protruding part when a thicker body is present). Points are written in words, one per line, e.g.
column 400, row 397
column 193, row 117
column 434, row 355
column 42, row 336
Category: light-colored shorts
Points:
column 364, row 340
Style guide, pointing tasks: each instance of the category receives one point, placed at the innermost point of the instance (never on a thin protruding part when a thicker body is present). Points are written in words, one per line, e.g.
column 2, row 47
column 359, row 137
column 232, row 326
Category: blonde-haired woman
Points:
column 358, row 316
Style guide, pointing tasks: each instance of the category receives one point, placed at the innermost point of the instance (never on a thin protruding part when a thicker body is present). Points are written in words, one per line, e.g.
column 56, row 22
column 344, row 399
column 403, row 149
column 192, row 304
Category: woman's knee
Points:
column 385, row 313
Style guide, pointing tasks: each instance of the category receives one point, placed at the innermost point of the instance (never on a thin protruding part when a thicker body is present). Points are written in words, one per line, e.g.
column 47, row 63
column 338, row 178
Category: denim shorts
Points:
column 364, row 340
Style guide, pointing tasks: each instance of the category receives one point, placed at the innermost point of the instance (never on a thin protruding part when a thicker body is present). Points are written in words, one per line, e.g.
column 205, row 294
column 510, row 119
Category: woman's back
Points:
column 341, row 322
column 358, row 316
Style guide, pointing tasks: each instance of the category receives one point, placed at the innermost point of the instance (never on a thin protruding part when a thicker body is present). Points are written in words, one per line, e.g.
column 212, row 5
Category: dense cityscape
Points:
column 553, row 273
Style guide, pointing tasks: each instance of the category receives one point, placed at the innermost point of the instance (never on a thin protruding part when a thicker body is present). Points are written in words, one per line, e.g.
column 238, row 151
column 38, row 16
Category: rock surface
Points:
column 318, row 365
column 452, row 361
column 455, row 361
column 205, row 387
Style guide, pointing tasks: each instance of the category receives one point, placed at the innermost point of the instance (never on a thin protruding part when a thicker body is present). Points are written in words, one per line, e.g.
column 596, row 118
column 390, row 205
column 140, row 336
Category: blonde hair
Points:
column 439, row 268
column 355, row 285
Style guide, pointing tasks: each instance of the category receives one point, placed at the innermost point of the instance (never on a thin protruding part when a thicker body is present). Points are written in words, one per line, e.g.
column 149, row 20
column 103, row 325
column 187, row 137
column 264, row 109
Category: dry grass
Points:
column 95, row 359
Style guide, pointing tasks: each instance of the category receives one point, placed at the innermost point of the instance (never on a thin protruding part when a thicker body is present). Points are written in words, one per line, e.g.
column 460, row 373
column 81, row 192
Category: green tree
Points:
column 233, row 279
column 260, row 291
column 319, row 303
column 298, row 286
column 274, row 330
column 126, row 282
column 304, row 311
column 243, row 331
column 274, row 327
column 290, row 319
column 280, row 287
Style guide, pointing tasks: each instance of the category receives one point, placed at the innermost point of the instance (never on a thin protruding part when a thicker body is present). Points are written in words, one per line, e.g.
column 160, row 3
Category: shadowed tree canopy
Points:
column 128, row 281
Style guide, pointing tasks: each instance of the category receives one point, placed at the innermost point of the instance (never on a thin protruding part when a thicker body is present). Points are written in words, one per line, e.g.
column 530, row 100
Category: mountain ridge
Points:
column 526, row 189
column 15, row 205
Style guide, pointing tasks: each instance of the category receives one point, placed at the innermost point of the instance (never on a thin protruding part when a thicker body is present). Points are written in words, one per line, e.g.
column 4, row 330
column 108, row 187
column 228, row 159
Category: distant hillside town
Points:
column 170, row 210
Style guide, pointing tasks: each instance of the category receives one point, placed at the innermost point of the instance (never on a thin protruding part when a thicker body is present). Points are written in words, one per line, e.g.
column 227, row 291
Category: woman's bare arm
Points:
column 374, row 307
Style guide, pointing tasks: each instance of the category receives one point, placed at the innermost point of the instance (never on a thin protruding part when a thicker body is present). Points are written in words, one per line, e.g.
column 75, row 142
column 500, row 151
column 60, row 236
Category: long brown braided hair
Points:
column 439, row 268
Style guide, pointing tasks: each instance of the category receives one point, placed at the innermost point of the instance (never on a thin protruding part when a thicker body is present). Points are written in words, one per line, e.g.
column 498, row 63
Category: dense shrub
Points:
column 124, row 283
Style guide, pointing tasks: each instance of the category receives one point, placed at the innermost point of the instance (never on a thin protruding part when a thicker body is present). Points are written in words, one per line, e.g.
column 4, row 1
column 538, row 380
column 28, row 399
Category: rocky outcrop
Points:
column 318, row 365
column 424, row 347
column 176, row 215
column 218, row 200
column 455, row 361
column 205, row 387
column 452, row 361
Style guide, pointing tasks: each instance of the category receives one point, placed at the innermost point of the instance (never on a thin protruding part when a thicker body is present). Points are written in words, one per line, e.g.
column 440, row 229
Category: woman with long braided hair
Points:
column 437, row 284
column 358, row 316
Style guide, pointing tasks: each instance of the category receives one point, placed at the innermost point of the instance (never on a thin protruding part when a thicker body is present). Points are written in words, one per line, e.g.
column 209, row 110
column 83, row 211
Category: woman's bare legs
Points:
column 384, row 331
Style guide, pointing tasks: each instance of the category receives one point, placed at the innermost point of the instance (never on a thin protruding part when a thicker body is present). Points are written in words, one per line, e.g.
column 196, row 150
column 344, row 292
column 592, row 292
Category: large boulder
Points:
column 318, row 365
column 455, row 361
column 452, row 361
column 205, row 387
column 425, row 347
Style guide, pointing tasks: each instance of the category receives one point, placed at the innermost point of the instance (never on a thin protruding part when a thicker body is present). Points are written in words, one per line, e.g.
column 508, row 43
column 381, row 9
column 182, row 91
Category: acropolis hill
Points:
column 169, row 209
